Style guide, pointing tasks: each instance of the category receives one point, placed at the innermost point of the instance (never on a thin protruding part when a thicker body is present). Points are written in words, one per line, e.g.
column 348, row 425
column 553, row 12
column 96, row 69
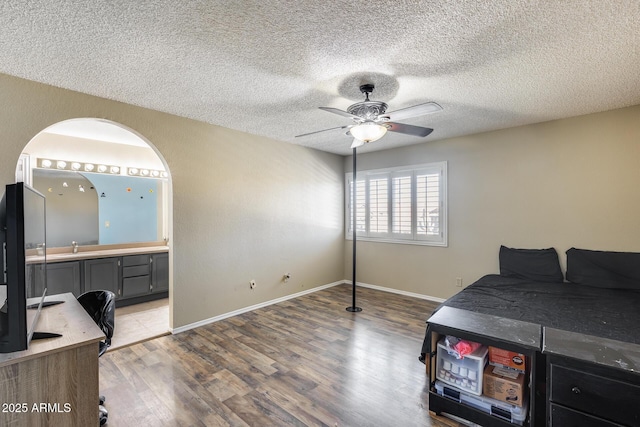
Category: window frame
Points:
column 391, row 174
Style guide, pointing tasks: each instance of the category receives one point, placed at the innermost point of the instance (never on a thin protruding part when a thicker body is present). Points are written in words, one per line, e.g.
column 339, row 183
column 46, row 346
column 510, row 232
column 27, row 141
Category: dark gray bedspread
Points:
column 609, row 313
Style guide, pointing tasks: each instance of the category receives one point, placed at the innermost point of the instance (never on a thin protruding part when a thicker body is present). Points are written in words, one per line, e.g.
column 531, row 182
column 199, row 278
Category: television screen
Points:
column 34, row 242
column 23, row 238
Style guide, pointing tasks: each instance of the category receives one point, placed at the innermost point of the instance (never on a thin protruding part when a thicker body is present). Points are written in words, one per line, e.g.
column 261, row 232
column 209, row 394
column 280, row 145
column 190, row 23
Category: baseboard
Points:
column 251, row 308
column 397, row 291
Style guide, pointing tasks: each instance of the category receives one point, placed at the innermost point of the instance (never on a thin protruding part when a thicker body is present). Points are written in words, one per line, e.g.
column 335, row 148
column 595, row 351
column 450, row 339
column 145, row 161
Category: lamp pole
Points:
column 353, row 308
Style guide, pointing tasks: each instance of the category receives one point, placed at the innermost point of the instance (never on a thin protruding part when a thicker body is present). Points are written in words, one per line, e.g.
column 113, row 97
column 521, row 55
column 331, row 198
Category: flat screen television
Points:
column 24, row 272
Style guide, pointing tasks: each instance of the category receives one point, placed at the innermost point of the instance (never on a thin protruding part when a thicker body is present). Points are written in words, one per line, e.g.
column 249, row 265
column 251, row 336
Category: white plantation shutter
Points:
column 361, row 216
column 360, row 206
column 402, row 203
column 407, row 205
column 379, row 204
column 428, row 204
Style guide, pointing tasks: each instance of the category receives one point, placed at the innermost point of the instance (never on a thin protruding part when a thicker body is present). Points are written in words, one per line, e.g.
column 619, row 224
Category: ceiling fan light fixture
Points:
column 368, row 131
column 357, row 143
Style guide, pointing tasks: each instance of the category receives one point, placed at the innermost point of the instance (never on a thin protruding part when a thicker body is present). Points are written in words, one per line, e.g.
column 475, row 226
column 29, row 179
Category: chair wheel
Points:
column 102, row 400
column 102, row 411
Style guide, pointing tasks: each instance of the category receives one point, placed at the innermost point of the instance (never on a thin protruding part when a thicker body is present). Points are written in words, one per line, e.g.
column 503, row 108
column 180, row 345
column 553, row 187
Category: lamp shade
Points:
column 357, row 143
column 368, row 131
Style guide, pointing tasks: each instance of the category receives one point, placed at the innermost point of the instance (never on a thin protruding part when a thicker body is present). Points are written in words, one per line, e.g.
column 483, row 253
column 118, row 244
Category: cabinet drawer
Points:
column 565, row 417
column 597, row 395
column 136, row 270
column 135, row 286
column 135, row 260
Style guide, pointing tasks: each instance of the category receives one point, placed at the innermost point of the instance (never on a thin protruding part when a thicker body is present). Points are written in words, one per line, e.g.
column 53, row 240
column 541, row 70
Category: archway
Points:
column 132, row 201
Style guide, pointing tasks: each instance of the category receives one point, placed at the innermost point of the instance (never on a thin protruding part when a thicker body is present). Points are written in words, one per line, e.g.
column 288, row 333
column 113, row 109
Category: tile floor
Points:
column 140, row 322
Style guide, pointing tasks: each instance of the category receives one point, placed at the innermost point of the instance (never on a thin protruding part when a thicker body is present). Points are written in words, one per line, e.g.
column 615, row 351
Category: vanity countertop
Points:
column 97, row 252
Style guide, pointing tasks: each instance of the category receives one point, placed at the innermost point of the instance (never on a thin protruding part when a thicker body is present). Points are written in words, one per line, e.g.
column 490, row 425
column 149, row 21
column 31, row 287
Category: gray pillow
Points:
column 604, row 269
column 538, row 265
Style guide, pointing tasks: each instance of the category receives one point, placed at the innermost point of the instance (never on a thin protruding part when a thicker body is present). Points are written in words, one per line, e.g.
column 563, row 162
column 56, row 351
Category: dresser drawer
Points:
column 136, row 270
column 565, row 417
column 594, row 394
column 135, row 260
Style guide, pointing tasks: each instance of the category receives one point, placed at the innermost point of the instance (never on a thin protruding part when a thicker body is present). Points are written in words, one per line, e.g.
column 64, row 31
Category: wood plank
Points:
column 305, row 362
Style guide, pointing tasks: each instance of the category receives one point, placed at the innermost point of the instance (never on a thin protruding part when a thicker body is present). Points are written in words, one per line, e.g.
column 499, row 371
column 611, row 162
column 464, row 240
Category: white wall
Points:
column 243, row 207
column 565, row 183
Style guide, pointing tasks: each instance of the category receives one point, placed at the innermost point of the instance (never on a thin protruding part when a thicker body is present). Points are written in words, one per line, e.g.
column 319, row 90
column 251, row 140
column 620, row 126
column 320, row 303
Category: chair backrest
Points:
column 101, row 306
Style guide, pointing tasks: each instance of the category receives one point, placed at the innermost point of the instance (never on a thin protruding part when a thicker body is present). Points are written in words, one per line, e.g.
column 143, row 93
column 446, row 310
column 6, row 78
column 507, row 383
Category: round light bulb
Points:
column 368, row 131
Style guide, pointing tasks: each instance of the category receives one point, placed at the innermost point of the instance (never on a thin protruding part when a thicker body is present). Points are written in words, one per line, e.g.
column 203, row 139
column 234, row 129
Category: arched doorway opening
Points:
column 109, row 198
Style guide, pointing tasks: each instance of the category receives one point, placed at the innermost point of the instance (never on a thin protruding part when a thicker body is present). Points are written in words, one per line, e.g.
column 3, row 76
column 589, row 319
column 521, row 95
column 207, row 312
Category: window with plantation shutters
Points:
column 404, row 205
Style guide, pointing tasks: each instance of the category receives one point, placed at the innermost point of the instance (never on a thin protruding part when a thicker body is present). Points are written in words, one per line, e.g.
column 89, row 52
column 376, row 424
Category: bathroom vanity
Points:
column 134, row 274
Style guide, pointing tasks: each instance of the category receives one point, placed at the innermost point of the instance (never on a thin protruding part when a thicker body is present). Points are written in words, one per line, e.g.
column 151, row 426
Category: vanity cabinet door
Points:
column 102, row 274
column 160, row 272
column 133, row 286
column 63, row 277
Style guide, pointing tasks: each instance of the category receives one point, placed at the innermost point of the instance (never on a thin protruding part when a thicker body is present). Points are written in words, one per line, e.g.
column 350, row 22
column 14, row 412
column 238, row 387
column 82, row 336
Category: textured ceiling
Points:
column 264, row 67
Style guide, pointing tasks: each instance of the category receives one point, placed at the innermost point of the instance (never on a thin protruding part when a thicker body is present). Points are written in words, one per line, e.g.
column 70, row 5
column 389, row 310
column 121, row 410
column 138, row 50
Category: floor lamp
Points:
column 353, row 308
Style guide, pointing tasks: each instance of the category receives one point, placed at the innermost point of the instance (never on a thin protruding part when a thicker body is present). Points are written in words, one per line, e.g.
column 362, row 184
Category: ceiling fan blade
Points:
column 341, row 113
column 415, row 111
column 324, row 130
column 408, row 129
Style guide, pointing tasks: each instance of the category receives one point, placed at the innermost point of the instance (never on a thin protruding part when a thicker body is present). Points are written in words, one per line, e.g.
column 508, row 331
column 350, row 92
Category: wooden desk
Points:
column 55, row 381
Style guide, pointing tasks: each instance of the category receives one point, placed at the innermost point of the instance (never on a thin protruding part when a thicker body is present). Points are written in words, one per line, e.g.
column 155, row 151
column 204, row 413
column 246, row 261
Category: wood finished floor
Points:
column 302, row 362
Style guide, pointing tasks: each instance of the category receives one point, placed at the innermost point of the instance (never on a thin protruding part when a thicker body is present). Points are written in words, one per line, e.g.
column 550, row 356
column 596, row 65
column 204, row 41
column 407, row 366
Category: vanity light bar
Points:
column 98, row 168
column 147, row 173
column 77, row 166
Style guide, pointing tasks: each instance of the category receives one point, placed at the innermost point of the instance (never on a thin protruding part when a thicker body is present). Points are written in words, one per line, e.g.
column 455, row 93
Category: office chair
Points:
column 101, row 306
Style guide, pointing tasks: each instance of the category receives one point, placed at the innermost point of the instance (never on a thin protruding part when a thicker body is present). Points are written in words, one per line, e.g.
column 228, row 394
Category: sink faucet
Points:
column 74, row 246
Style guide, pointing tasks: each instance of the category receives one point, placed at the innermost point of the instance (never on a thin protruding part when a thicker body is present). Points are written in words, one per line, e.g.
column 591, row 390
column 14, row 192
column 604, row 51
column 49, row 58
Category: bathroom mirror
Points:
column 99, row 209
column 72, row 207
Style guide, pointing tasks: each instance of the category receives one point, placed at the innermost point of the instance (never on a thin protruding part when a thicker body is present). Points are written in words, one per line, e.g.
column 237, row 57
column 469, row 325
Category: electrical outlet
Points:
column 252, row 284
column 459, row 282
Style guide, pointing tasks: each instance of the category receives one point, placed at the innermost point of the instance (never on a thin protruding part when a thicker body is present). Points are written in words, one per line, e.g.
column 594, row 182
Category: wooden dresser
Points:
column 55, row 381
column 591, row 381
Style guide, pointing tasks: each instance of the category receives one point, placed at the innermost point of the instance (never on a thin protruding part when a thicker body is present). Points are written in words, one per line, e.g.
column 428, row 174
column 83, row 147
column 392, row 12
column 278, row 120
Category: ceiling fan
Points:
column 371, row 121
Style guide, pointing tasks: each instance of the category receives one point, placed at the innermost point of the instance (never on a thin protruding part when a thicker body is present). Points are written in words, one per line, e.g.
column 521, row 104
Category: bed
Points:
column 595, row 310
column 602, row 298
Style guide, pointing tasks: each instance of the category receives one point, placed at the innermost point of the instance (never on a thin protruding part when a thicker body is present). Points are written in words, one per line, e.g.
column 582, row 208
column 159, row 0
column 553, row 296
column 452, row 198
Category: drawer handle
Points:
column 575, row 390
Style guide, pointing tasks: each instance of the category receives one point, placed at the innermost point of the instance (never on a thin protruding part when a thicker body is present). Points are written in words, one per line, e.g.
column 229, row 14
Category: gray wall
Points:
column 243, row 207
